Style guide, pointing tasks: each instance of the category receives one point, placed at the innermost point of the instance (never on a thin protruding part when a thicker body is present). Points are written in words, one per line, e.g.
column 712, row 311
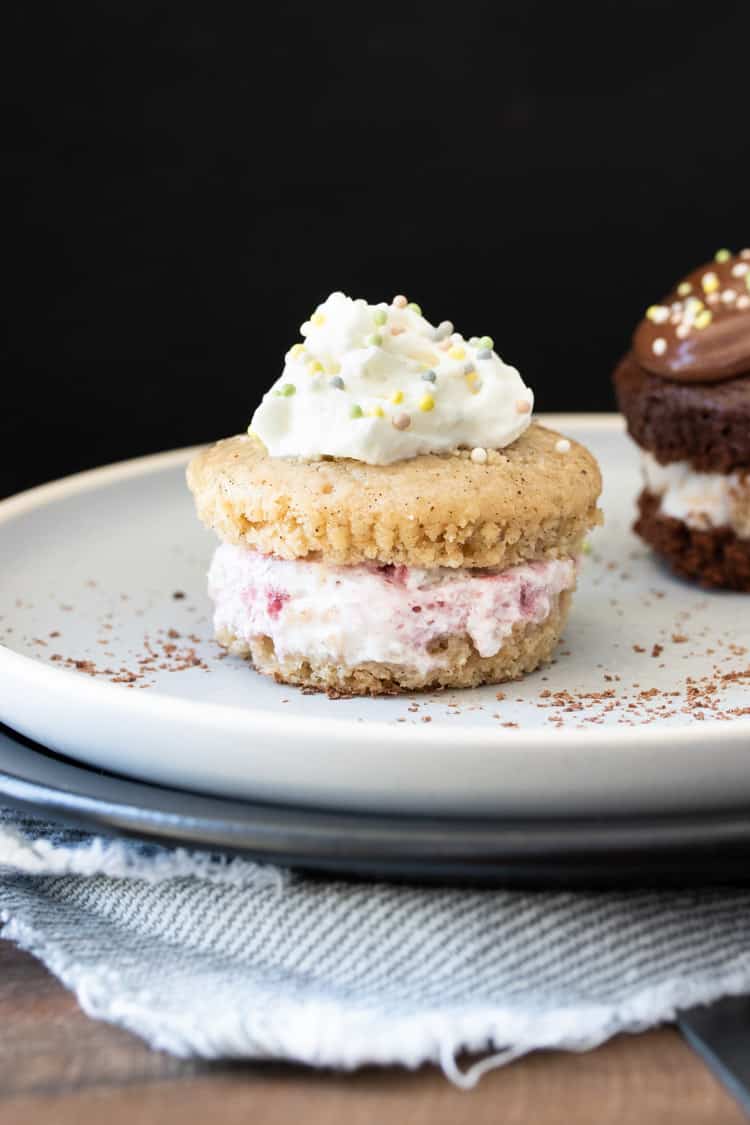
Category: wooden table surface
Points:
column 57, row 1067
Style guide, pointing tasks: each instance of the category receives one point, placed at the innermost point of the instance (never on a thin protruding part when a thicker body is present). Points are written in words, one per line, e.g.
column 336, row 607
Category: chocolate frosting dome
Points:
column 700, row 333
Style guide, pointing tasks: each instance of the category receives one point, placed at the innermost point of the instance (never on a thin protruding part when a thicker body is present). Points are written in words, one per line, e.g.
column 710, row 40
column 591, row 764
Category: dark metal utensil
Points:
column 720, row 1033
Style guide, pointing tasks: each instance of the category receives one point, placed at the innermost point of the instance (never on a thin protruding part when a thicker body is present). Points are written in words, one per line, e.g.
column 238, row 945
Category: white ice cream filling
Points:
column 701, row 500
column 388, row 614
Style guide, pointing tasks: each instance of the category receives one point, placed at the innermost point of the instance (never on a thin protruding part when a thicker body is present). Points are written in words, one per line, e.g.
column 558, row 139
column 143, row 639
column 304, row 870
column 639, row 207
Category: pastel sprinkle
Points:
column 296, row 349
column 318, row 319
column 710, row 282
column 400, row 302
column 374, row 341
column 657, row 314
column 684, row 288
column 486, row 342
column 457, row 353
column 336, row 382
column 380, row 316
column 479, row 455
column 562, row 446
column 286, row 390
column 703, row 319
column 659, row 346
column 722, row 255
column 444, row 345
column 414, row 307
column 426, row 403
column 471, row 377
column 523, row 406
column 745, row 253
column 740, row 269
column 743, row 302
column 485, row 353
column 586, row 547
column 355, row 411
column 397, row 397
column 728, row 296
column 378, row 412
column 682, row 331
column 429, row 376
column 475, row 383
column 314, row 367
column 396, row 331
column 401, row 421
column 445, row 328
column 474, row 341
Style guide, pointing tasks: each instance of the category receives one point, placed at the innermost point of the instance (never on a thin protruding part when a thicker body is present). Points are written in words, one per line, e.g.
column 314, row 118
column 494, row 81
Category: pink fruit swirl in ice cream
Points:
column 397, row 615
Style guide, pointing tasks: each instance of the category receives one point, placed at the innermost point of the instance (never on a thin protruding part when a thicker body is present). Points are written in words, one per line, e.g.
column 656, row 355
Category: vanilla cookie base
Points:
column 529, row 645
column 529, row 501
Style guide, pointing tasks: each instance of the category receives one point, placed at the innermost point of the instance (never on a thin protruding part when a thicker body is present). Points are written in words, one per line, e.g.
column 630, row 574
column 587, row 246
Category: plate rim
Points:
column 157, row 706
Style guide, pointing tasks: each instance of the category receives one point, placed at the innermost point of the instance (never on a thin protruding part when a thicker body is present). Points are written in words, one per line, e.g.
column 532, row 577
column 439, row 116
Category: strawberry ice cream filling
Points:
column 389, row 614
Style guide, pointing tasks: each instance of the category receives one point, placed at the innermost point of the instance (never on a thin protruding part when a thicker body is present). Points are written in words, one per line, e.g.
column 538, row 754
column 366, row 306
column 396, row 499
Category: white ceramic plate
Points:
column 90, row 566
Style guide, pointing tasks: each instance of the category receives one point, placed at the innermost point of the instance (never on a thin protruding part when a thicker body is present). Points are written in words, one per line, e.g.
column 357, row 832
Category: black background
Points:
column 188, row 181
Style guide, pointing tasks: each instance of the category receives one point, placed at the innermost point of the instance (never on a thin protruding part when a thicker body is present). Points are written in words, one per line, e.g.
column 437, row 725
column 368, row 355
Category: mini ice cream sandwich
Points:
column 394, row 520
column 684, row 389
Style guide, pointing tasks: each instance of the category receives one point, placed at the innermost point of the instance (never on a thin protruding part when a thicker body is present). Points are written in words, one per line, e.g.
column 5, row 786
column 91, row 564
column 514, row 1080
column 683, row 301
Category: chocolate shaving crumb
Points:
column 164, row 656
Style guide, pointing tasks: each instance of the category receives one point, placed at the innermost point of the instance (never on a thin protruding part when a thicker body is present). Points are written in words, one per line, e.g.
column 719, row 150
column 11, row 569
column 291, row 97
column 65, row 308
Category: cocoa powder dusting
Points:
column 156, row 654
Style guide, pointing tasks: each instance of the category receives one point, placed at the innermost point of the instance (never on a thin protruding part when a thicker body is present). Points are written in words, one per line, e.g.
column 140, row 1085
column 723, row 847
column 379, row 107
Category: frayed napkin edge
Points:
column 324, row 1035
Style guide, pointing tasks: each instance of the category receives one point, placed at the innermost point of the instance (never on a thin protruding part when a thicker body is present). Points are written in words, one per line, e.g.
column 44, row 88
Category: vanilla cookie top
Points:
column 535, row 499
column 379, row 383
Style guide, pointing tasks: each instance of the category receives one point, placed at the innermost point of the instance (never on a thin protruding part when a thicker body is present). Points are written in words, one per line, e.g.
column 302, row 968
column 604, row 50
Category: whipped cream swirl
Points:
column 379, row 383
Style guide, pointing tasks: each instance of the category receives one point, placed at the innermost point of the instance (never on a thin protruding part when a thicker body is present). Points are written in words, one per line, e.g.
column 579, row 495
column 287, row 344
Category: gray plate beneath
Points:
column 603, row 851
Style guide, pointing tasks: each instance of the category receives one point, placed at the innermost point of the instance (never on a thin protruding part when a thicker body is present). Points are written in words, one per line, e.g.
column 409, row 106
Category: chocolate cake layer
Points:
column 714, row 559
column 707, row 424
